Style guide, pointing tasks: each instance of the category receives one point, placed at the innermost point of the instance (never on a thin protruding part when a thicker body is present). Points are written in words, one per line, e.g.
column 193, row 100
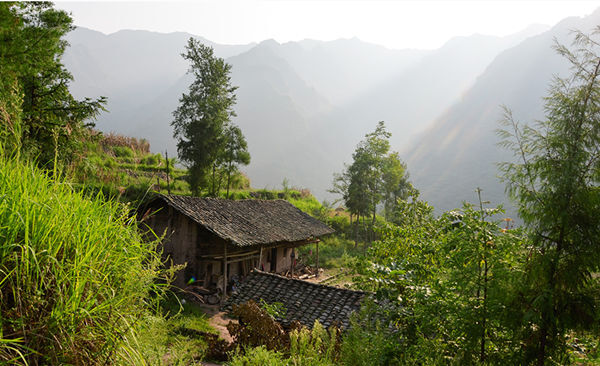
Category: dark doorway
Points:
column 274, row 260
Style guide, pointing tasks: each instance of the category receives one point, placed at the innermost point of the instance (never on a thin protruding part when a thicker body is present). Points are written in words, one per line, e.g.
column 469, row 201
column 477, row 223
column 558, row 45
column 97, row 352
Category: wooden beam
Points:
column 229, row 255
column 242, row 259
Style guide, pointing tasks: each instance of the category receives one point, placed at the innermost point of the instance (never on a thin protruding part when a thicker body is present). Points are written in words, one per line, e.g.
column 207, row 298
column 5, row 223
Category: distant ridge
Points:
column 459, row 151
column 303, row 106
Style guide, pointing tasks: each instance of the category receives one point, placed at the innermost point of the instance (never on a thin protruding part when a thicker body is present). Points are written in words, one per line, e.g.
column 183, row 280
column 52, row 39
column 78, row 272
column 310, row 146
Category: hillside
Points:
column 459, row 152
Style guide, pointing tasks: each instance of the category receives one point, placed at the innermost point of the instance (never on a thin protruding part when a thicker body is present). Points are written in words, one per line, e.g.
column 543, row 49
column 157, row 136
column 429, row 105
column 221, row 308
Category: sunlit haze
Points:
column 394, row 24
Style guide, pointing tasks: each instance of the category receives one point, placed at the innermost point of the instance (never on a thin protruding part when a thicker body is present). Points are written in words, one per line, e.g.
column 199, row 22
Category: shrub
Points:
column 257, row 328
column 123, row 152
column 315, row 347
column 369, row 341
column 152, row 159
column 75, row 275
column 259, row 356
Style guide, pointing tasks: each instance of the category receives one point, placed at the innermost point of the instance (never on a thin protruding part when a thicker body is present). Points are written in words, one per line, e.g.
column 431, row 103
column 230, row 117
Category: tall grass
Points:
column 75, row 275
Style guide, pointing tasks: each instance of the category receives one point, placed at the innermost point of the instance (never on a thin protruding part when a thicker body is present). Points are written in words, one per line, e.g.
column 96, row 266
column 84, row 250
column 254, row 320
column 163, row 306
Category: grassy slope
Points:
column 75, row 275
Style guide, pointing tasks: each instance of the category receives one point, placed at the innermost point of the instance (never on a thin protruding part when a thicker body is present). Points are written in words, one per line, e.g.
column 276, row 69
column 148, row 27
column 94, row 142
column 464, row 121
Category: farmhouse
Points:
column 221, row 239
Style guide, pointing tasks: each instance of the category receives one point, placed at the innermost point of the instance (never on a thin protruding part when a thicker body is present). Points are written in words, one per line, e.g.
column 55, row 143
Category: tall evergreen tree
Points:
column 556, row 185
column 200, row 122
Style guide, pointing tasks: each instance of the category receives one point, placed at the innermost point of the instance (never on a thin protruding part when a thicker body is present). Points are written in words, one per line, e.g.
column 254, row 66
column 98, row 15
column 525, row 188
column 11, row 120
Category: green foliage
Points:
column 276, row 309
column 123, row 152
column 160, row 340
column 308, row 204
column 151, row 160
column 208, row 142
column 451, row 285
column 257, row 328
column 123, row 169
column 178, row 336
column 258, row 356
column 300, row 346
column 239, row 195
column 556, row 187
column 38, row 112
column 318, row 346
column 375, row 175
column 369, row 341
column 75, row 275
column 235, row 153
column 334, row 252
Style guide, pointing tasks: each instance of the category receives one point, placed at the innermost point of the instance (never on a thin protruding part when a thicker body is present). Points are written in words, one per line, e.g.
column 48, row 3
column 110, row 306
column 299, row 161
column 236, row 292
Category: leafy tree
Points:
column 201, row 121
column 37, row 109
column 451, row 280
column 375, row 175
column 395, row 183
column 235, row 153
column 555, row 184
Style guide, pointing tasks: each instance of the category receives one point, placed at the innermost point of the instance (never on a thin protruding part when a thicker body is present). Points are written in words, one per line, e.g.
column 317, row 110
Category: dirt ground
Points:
column 218, row 320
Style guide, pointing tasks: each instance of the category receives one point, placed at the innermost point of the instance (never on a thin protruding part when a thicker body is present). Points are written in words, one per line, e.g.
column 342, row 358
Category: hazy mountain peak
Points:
column 269, row 43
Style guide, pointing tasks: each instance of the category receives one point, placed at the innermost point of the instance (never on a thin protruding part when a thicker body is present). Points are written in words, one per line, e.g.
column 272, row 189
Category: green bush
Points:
column 239, row 195
column 334, row 252
column 75, row 275
column 369, row 341
column 316, row 347
column 152, row 159
column 123, row 152
column 259, row 356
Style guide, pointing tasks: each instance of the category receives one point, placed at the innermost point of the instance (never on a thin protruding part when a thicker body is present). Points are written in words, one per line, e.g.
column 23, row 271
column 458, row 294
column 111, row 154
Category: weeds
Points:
column 75, row 275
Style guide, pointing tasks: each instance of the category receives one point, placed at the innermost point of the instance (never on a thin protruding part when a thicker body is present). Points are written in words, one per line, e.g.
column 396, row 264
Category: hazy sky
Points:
column 394, row 24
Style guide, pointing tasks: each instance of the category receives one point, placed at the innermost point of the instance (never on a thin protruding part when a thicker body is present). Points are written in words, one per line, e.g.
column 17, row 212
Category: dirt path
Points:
column 218, row 320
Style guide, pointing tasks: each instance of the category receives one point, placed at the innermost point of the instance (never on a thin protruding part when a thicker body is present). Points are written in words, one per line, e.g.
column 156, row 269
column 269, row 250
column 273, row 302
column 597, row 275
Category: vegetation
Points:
column 123, row 168
column 76, row 277
column 556, row 187
column 375, row 176
column 78, row 285
column 38, row 113
column 208, row 142
column 467, row 288
column 176, row 335
column 260, row 340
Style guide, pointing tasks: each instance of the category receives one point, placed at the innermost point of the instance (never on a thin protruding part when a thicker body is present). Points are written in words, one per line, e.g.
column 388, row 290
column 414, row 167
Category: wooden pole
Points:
column 260, row 259
column 293, row 259
column 317, row 259
column 167, row 160
column 225, row 280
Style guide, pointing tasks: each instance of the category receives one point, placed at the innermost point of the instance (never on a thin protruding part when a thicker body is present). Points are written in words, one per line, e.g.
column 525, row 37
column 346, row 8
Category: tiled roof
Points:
column 250, row 222
column 304, row 301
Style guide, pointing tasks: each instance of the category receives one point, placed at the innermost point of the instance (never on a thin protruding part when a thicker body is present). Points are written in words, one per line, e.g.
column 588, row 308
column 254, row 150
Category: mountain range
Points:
column 304, row 106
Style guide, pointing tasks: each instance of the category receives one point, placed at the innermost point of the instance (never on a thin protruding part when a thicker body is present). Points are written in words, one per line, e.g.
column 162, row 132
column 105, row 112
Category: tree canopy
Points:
column 375, row 176
column 38, row 112
column 208, row 142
